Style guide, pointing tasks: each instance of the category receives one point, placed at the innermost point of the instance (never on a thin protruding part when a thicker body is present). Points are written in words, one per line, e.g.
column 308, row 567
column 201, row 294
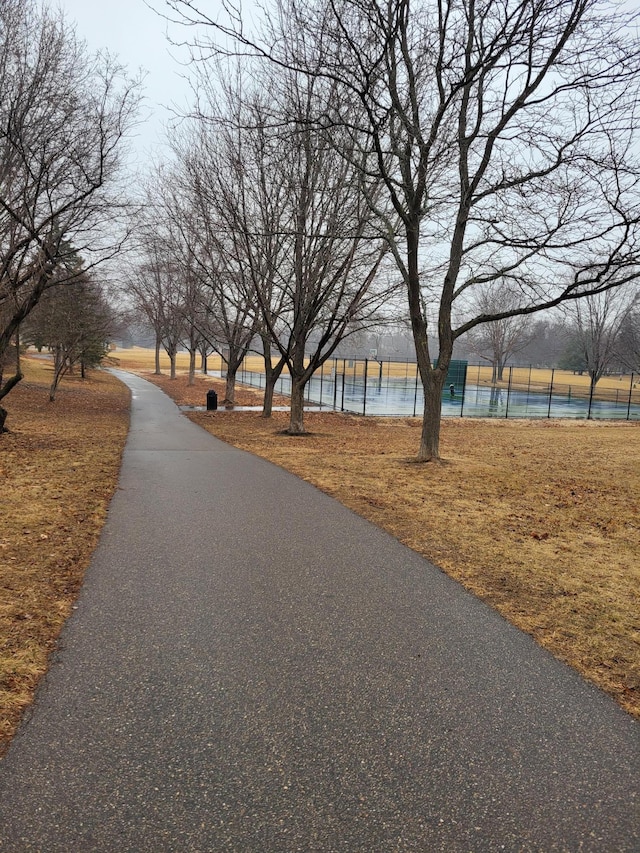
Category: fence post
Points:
column 630, row 393
column 506, row 411
column 321, row 381
column 553, row 370
column 464, row 388
column 335, row 384
column 344, row 364
column 364, row 394
column 415, row 393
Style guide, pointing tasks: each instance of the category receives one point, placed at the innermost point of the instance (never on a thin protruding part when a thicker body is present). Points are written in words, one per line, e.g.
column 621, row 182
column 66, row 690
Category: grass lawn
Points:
column 58, row 467
column 539, row 518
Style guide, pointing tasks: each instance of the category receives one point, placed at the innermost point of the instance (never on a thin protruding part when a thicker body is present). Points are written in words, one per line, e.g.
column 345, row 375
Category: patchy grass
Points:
column 59, row 466
column 539, row 518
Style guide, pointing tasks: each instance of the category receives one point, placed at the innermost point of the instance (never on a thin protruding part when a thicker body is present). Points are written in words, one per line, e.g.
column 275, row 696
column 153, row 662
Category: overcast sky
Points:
column 136, row 34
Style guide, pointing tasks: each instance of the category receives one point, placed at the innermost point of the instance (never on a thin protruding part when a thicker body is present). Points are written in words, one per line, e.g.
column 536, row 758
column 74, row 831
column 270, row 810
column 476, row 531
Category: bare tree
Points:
column 255, row 204
column 498, row 340
column 503, row 133
column 195, row 317
column 228, row 306
column 297, row 225
column 335, row 283
column 140, row 290
column 154, row 287
column 63, row 116
column 597, row 323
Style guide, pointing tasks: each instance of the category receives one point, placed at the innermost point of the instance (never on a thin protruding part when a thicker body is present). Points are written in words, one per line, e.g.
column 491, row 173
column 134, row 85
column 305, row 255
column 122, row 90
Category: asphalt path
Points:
column 252, row 667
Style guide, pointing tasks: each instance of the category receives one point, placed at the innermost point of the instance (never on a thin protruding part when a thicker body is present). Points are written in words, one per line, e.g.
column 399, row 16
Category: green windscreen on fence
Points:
column 457, row 374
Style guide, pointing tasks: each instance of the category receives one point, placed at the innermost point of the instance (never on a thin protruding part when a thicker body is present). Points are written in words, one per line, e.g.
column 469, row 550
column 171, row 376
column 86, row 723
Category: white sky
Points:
column 136, row 35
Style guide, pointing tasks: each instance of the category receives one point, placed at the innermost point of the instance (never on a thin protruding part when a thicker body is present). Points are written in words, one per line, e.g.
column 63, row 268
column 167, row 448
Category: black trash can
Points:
column 212, row 401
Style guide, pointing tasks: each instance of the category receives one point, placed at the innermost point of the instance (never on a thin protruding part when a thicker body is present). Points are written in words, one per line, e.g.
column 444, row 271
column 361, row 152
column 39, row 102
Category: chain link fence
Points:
column 392, row 388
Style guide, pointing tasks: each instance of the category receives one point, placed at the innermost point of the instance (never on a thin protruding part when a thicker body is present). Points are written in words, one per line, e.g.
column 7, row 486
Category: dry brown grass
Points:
column 538, row 518
column 59, row 466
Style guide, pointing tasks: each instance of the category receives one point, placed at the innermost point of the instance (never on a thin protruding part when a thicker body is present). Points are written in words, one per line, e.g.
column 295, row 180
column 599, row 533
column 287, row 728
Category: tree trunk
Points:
column 267, row 402
column 432, row 379
column 192, row 367
column 4, row 390
column 271, row 376
column 18, row 370
column 57, row 366
column 59, row 369
column 157, row 371
column 172, row 360
column 432, row 417
column 593, row 381
column 296, row 420
column 230, row 388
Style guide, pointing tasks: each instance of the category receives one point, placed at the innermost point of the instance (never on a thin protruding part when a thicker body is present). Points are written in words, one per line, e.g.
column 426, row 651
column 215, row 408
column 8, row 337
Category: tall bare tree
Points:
column 336, row 282
column 504, row 133
column 498, row 340
column 156, row 289
column 252, row 201
column 597, row 322
column 63, row 117
column 229, row 316
column 297, row 225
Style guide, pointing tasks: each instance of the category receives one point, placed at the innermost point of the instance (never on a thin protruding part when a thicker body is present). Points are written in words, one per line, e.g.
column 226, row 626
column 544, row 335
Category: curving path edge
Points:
column 252, row 667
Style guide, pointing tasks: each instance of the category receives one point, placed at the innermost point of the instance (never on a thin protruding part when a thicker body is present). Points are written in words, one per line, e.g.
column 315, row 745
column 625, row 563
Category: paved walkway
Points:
column 252, row 667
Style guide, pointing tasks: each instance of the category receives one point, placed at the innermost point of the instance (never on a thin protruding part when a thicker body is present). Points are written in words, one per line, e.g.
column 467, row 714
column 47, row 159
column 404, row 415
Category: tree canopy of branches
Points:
column 63, row 117
column 274, row 225
column 330, row 279
column 597, row 321
column 503, row 132
column 498, row 340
